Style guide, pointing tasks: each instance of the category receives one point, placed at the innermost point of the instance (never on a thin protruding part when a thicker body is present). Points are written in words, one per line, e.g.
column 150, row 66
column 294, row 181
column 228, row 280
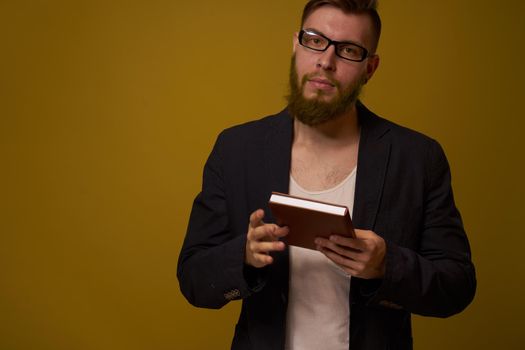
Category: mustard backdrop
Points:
column 109, row 109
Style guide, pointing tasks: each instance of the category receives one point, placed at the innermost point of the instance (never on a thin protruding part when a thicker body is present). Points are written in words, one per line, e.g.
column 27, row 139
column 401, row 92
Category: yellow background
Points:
column 109, row 109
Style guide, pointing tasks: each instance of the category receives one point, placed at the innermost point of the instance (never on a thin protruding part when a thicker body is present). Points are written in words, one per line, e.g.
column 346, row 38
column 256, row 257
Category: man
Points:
column 410, row 254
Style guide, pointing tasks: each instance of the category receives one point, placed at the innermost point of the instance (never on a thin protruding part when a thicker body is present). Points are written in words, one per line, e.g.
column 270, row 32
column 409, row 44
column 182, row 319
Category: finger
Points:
column 364, row 234
column 341, row 250
column 265, row 247
column 281, row 231
column 356, row 244
column 262, row 259
column 256, row 218
column 351, row 266
column 264, row 232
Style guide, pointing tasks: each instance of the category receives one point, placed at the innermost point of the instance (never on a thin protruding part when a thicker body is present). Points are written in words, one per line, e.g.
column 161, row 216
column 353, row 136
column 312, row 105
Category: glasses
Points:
column 318, row 42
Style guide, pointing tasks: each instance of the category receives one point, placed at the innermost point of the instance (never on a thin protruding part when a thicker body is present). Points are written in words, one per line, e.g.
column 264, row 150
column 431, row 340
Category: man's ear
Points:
column 295, row 41
column 371, row 66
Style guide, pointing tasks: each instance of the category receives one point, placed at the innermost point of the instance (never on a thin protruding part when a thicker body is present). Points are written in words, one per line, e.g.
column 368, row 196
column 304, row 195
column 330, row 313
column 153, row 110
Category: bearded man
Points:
column 410, row 254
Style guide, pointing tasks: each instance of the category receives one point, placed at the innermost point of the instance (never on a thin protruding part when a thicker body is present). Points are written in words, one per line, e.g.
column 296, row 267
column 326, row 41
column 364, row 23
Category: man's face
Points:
column 325, row 81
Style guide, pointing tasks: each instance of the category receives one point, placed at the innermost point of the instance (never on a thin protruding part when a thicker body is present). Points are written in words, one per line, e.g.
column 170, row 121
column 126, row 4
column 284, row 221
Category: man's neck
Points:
column 337, row 132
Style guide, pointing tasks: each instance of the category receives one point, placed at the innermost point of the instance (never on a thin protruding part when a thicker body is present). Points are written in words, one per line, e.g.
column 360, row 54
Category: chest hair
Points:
column 317, row 173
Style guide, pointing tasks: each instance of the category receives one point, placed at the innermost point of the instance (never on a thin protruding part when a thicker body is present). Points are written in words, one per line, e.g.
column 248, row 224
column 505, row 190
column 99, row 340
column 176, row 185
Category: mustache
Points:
column 327, row 77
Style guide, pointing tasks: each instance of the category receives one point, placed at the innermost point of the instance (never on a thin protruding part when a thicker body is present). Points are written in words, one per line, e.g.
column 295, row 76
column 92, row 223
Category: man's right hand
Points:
column 262, row 239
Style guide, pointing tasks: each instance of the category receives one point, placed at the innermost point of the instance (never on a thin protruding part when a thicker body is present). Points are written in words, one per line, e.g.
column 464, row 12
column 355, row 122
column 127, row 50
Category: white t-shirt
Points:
column 318, row 314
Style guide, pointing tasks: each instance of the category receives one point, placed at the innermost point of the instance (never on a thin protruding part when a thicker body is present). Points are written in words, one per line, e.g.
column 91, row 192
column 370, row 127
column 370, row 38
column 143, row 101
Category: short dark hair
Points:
column 368, row 7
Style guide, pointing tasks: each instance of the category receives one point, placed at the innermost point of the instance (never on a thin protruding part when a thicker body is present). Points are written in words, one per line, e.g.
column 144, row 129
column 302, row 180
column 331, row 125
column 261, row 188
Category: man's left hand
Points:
column 363, row 256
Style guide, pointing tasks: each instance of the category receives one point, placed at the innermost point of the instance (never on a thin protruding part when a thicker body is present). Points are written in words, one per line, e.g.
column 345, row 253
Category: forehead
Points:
column 340, row 26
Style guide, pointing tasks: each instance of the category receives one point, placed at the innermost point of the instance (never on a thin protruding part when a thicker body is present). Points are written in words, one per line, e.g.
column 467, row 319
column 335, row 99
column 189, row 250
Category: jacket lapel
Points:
column 372, row 164
column 277, row 155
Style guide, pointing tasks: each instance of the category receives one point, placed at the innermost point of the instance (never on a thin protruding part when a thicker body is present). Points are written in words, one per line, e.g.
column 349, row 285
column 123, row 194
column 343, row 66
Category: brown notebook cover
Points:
column 306, row 224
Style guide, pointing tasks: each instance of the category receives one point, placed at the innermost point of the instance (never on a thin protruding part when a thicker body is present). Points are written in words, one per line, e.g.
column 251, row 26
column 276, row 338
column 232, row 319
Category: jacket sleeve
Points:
column 437, row 279
column 211, row 269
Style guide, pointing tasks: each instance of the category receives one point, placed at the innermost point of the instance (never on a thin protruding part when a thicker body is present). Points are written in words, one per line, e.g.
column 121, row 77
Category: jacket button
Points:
column 390, row 305
column 232, row 294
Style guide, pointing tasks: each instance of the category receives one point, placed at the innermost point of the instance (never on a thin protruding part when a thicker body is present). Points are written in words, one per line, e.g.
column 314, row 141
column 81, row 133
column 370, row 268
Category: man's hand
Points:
column 362, row 257
column 261, row 239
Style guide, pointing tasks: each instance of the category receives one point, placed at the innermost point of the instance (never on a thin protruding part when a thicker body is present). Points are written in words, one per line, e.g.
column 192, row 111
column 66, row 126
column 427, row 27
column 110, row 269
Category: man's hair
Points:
column 368, row 7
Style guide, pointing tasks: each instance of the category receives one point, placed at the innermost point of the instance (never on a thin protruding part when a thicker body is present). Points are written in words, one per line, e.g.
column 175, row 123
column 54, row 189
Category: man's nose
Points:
column 327, row 58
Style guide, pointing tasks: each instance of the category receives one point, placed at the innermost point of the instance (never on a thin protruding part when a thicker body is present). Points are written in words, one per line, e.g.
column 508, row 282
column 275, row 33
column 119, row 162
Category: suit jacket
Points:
column 403, row 193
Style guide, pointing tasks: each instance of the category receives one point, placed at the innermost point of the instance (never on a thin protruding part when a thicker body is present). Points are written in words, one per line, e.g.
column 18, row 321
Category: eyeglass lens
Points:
column 318, row 42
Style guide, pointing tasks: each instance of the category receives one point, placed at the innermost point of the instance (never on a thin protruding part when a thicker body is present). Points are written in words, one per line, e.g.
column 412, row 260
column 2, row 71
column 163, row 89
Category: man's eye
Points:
column 314, row 41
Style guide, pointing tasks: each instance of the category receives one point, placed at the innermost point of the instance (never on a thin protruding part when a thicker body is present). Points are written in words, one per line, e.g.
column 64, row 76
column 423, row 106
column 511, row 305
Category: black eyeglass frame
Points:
column 332, row 42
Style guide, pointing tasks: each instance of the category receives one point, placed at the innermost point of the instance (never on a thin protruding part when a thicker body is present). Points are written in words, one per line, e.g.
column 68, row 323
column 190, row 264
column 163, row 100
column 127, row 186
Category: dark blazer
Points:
column 403, row 193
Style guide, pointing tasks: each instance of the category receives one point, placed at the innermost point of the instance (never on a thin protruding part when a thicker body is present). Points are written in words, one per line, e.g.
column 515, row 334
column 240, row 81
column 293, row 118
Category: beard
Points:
column 315, row 111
